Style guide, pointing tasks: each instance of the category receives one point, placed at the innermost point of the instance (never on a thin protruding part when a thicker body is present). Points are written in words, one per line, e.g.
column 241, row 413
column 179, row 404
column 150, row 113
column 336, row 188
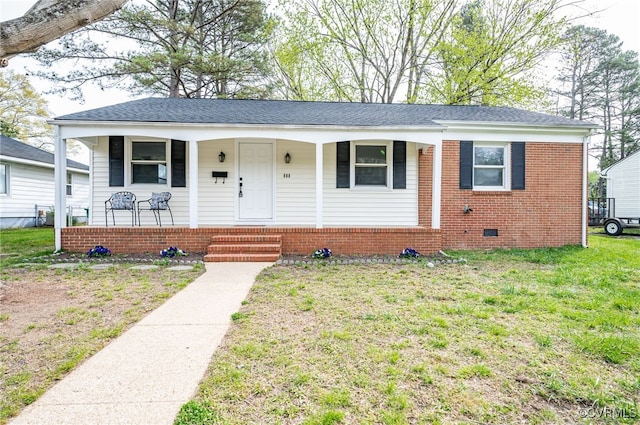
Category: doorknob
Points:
column 240, row 193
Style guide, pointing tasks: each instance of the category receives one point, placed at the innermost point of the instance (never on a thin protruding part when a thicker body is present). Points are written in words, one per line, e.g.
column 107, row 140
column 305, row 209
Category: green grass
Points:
column 18, row 245
column 512, row 336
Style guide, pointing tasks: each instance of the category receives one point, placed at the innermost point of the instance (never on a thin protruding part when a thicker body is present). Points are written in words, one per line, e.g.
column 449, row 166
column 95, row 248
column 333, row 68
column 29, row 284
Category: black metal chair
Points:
column 159, row 201
column 120, row 201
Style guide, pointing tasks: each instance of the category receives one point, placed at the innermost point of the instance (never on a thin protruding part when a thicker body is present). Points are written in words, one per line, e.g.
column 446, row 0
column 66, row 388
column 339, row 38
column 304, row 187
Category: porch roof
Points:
column 278, row 112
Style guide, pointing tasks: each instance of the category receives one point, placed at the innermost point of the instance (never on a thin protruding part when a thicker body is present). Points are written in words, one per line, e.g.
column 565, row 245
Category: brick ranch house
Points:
column 298, row 176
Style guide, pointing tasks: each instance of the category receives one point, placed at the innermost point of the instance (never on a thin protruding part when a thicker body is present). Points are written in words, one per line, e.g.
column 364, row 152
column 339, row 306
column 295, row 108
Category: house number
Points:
column 286, row 176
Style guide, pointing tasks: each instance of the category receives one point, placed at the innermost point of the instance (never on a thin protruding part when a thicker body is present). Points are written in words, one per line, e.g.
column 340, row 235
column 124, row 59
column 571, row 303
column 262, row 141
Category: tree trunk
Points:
column 49, row 20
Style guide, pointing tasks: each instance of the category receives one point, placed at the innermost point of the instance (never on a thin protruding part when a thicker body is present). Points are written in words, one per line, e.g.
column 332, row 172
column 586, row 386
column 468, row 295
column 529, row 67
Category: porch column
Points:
column 193, row 184
column 436, row 193
column 319, row 180
column 60, row 179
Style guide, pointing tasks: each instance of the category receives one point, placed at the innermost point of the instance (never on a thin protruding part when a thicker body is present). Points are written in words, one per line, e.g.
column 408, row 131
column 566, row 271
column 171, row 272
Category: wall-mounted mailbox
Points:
column 220, row 174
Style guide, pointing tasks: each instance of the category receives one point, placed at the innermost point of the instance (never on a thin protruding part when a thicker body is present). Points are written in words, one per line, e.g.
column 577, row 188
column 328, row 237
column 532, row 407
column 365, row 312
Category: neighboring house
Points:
column 27, row 185
column 357, row 178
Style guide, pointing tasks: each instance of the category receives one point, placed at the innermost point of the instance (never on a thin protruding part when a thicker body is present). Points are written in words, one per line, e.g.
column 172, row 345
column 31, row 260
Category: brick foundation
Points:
column 295, row 240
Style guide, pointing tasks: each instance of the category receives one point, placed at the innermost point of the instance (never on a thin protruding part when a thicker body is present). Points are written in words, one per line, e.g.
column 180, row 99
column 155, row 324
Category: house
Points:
column 623, row 189
column 27, row 185
column 357, row 178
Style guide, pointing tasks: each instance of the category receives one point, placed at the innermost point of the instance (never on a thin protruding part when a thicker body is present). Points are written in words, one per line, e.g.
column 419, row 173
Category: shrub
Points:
column 171, row 252
column 322, row 253
column 409, row 253
column 99, row 251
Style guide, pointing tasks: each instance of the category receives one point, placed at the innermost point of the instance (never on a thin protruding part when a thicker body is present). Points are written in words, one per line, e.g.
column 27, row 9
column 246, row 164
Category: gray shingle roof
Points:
column 279, row 112
column 16, row 149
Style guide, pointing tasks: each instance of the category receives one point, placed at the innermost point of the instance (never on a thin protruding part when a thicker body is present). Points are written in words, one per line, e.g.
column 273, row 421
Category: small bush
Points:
column 409, row 253
column 322, row 253
column 171, row 252
column 99, row 251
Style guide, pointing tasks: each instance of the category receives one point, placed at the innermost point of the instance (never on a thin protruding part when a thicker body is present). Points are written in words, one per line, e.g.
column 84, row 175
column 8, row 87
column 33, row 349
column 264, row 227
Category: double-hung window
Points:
column 371, row 164
column 149, row 162
column 69, row 184
column 4, row 179
column 492, row 166
column 490, row 170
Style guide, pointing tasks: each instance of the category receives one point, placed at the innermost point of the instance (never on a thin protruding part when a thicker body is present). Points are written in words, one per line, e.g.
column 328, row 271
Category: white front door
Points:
column 255, row 181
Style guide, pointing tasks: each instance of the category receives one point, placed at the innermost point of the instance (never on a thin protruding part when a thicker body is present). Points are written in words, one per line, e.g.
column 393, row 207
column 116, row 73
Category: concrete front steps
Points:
column 244, row 248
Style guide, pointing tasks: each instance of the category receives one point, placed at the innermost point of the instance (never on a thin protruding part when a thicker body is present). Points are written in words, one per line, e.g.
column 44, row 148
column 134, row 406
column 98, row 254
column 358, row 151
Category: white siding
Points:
column 623, row 184
column 295, row 190
column 295, row 183
column 102, row 191
column 216, row 200
column 370, row 207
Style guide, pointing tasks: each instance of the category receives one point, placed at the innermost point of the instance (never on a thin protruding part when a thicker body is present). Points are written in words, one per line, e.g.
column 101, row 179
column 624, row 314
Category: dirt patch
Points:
column 53, row 319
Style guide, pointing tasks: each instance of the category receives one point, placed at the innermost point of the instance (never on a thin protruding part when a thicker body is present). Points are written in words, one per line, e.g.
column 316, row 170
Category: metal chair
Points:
column 159, row 201
column 120, row 201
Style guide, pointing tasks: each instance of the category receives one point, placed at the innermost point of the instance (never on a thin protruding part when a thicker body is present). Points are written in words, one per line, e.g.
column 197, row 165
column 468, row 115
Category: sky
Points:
column 619, row 17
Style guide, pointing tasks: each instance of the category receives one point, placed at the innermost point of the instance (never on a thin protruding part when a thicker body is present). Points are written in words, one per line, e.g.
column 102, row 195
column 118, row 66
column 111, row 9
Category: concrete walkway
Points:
column 146, row 375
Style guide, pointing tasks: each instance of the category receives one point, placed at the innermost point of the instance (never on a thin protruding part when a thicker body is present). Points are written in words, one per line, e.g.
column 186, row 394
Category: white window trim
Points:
column 389, row 165
column 129, row 162
column 506, row 175
column 7, row 179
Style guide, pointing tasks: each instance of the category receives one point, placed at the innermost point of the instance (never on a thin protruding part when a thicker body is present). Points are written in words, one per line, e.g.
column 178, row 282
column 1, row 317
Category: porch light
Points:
column 287, row 158
column 221, row 156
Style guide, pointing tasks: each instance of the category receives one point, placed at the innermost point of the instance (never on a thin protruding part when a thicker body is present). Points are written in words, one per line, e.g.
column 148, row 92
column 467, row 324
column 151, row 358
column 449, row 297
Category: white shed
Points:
column 623, row 184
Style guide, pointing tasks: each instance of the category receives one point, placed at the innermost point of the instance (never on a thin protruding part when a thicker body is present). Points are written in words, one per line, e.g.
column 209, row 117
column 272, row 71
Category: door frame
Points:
column 236, row 202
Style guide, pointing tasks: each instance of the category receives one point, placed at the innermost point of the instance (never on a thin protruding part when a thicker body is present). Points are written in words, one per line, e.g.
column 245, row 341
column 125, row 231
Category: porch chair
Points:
column 120, row 201
column 159, row 201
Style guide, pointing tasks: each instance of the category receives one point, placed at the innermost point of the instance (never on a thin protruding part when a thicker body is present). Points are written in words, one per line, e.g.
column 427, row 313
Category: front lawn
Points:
column 524, row 336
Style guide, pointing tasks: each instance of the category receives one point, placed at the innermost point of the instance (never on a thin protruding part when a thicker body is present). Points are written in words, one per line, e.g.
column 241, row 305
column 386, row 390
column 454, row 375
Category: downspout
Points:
column 585, row 181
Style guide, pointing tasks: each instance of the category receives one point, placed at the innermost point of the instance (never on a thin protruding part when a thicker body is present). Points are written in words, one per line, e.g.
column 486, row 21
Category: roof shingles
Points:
column 15, row 149
column 279, row 112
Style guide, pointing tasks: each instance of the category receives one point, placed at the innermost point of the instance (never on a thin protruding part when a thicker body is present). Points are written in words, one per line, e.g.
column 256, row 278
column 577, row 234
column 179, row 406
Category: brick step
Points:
column 246, row 239
column 269, row 248
column 242, row 258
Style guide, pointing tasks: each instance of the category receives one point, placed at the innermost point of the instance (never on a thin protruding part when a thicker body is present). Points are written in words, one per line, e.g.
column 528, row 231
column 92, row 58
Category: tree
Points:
column 492, row 50
column 189, row 48
column 358, row 50
column 23, row 112
column 48, row 20
column 600, row 82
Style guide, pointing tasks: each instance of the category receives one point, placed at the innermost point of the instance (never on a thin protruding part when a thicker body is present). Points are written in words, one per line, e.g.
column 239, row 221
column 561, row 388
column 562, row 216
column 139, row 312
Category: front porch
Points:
column 294, row 240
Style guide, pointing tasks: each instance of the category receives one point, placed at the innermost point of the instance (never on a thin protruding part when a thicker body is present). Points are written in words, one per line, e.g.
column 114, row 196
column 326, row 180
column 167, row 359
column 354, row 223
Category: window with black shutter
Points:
column 492, row 165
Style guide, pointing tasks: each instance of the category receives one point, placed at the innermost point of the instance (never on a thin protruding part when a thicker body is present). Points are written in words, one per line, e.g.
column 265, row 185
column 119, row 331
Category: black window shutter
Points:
column 178, row 163
column 343, row 165
column 517, row 165
column 466, row 165
column 399, row 165
column 116, row 160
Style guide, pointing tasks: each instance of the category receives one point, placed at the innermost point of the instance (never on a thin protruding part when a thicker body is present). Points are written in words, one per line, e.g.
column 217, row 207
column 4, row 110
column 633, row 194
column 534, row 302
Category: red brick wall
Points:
column 547, row 213
column 298, row 240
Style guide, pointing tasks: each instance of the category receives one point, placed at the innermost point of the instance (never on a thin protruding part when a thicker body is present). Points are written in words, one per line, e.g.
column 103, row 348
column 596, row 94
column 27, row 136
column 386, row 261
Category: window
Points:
column 489, row 170
column 374, row 164
column 4, row 179
column 371, row 166
column 149, row 162
column 69, row 185
column 492, row 166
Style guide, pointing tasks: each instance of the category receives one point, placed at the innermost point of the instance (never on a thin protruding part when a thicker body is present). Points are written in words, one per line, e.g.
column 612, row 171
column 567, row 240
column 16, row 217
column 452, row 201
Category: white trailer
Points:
column 623, row 186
